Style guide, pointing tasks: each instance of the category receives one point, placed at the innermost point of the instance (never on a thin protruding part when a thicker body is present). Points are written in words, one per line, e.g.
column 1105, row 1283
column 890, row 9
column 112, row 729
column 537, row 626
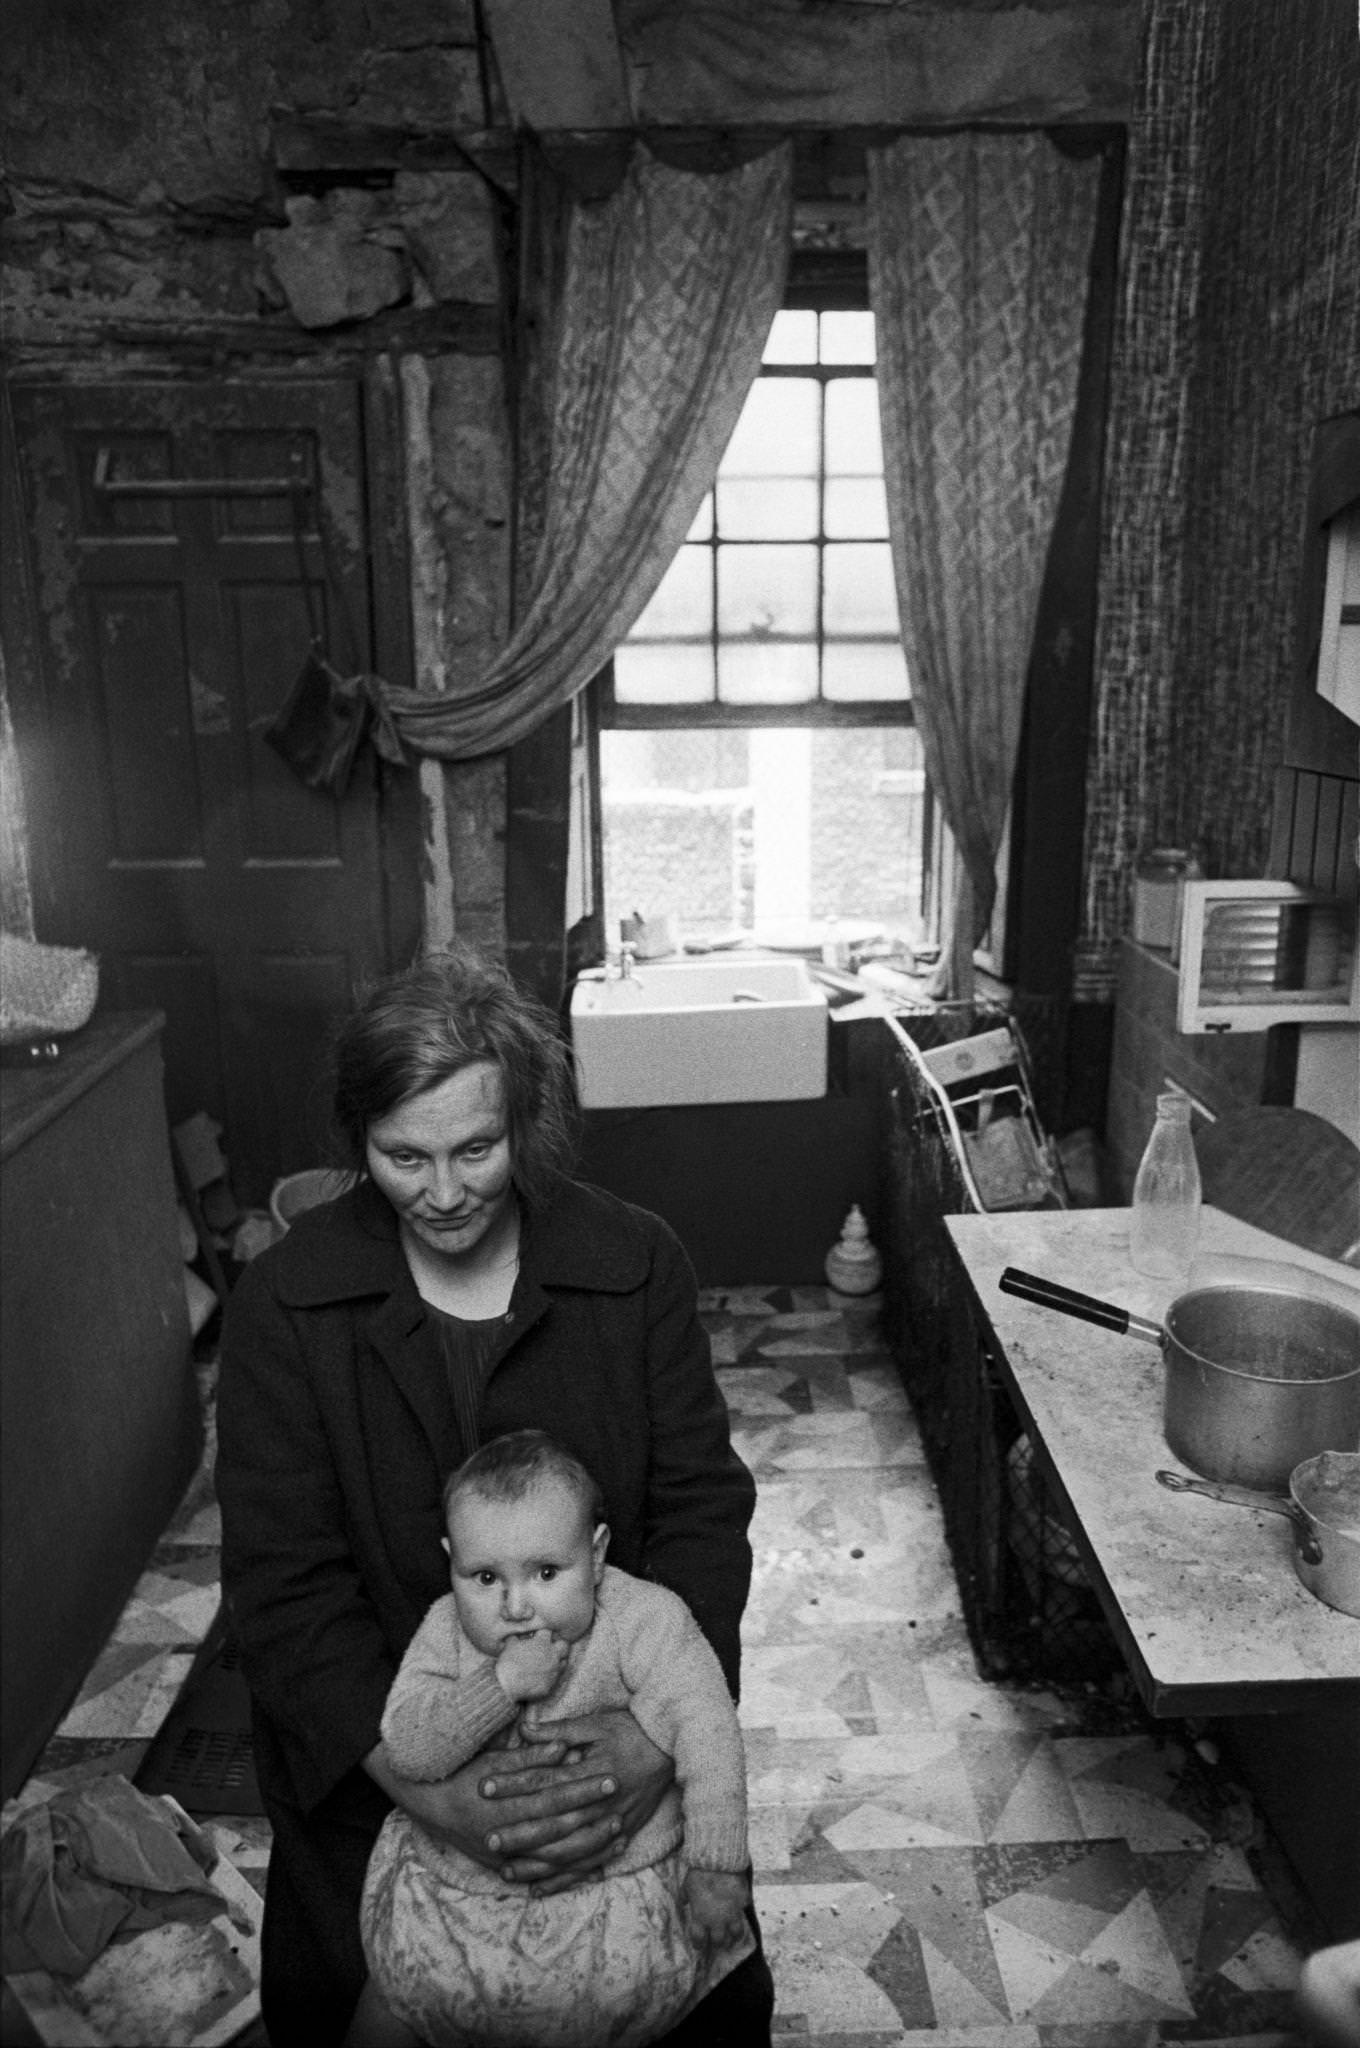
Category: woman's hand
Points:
column 549, row 1812
column 608, row 1743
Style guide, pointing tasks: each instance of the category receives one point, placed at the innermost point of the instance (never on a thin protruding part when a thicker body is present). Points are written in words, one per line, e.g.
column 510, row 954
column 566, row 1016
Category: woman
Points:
column 464, row 1287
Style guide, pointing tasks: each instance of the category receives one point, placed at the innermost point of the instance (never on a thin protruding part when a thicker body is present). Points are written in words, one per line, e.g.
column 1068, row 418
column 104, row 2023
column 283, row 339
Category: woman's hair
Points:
column 512, row 1465
column 416, row 1029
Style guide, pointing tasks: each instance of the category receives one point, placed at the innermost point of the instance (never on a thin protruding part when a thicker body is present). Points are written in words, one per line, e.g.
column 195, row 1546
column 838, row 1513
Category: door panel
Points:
column 209, row 880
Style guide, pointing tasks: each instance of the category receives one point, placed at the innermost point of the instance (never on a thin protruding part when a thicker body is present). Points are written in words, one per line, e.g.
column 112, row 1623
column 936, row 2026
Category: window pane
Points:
column 854, row 441
column 719, row 828
column 793, row 339
column 855, row 671
column 768, row 589
column 676, row 815
column 785, row 673
column 848, row 338
column 784, row 508
column 684, row 599
column 859, row 595
column 777, row 432
column 702, row 528
column 662, row 674
column 856, row 508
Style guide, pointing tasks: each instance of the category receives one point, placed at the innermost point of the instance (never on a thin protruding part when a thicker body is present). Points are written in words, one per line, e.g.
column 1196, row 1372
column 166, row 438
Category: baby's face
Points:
column 523, row 1565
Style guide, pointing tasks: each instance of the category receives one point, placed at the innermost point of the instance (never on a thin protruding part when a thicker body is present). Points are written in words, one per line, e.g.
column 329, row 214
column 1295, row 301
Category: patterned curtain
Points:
column 670, row 287
column 979, row 248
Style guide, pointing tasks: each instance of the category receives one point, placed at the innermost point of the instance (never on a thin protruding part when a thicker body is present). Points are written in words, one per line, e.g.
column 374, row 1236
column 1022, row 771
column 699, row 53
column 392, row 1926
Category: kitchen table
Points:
column 1202, row 1598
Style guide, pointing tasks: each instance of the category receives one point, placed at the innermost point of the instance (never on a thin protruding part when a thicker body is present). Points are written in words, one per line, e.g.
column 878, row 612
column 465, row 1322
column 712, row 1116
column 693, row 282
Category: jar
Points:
column 853, row 1266
column 1193, row 871
column 1156, row 894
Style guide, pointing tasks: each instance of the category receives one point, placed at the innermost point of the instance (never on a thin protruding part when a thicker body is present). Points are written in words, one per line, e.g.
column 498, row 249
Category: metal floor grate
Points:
column 203, row 1754
column 209, row 1770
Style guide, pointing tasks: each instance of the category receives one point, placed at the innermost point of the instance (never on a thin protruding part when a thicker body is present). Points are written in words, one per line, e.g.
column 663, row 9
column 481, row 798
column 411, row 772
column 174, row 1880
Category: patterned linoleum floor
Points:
column 938, row 1860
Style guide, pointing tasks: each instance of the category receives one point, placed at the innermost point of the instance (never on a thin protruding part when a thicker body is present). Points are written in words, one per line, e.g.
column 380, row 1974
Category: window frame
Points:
column 821, row 281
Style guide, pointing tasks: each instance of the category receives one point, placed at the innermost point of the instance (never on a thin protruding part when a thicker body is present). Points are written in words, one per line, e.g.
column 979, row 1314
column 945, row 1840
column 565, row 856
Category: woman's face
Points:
column 442, row 1158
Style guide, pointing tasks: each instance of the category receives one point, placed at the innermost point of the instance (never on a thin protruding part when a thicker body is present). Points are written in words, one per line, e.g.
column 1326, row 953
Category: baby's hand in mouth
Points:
column 529, row 1666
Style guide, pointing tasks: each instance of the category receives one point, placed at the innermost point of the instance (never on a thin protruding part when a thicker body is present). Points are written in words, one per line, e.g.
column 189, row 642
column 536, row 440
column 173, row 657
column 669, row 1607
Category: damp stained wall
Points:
column 242, row 187
column 256, row 189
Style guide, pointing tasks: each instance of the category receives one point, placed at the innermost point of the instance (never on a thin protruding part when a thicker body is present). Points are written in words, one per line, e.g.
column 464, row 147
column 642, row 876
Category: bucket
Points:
column 298, row 1191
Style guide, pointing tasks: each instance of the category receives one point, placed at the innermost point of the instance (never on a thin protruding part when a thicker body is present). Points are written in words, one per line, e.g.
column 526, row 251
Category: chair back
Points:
column 1287, row 1171
column 982, row 1097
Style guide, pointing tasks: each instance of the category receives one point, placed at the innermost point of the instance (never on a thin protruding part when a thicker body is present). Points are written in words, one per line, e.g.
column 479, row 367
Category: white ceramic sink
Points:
column 729, row 1030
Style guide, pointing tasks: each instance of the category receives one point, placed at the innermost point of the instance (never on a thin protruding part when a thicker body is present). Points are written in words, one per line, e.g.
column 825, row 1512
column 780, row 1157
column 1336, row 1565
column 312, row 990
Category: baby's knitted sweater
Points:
column 644, row 1651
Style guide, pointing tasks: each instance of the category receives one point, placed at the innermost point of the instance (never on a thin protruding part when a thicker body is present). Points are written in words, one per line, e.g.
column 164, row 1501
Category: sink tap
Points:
column 627, row 955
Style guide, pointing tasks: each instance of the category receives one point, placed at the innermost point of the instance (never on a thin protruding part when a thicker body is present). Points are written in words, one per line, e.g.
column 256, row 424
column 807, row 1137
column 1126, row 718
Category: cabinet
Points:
column 1028, row 1614
column 1259, row 953
column 1203, row 1603
column 102, row 1429
column 1338, row 677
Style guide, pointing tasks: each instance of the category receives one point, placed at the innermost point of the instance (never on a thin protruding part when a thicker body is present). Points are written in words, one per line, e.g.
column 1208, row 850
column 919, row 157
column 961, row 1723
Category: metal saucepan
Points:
column 1323, row 1510
column 1257, row 1378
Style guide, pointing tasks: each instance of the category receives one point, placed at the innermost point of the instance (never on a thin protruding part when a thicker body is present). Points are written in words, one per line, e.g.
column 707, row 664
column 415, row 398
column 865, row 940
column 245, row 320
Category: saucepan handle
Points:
column 1218, row 1489
column 1048, row 1294
column 1305, row 1535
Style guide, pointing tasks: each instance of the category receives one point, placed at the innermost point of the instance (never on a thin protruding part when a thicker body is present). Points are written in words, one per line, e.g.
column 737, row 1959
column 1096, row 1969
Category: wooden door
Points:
column 168, row 835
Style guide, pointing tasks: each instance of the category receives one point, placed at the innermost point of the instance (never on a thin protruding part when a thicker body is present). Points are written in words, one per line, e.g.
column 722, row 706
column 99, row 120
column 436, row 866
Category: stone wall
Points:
column 263, row 188
column 656, row 836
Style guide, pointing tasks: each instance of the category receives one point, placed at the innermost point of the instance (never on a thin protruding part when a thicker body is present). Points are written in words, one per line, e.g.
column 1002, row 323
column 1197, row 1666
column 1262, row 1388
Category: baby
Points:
column 538, row 1625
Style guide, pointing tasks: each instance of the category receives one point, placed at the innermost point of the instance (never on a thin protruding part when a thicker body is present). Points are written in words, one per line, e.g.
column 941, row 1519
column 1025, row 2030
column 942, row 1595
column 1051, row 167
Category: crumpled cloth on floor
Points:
column 94, row 1861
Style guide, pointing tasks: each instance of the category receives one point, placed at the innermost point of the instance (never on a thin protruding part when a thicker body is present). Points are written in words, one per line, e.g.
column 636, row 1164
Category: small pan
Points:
column 1323, row 1511
column 1258, row 1378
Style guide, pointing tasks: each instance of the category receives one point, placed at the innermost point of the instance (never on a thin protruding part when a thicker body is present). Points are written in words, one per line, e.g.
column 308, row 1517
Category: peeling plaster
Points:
column 209, row 709
column 428, row 565
column 410, row 24
column 16, row 890
column 448, row 218
column 462, row 802
column 146, row 205
column 336, row 260
column 343, row 491
column 54, row 568
column 470, row 509
column 438, row 922
column 73, row 260
column 125, row 91
column 439, row 90
column 427, row 616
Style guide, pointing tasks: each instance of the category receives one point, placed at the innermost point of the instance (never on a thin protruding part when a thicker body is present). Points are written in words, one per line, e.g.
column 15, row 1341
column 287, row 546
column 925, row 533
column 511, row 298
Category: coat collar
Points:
column 349, row 1249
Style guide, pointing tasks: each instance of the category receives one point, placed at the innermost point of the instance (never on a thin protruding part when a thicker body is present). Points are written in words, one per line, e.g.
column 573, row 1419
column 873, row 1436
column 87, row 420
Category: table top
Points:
column 1202, row 1596
column 32, row 1097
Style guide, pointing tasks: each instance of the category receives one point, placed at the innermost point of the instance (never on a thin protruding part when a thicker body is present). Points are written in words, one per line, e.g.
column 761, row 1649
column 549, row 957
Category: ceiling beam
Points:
column 560, row 63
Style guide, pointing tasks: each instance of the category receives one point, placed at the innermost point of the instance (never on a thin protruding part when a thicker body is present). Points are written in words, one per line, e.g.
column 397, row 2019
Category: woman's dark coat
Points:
column 336, row 1432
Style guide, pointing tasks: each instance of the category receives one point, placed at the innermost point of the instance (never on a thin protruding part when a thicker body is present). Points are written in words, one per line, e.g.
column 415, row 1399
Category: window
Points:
column 783, row 592
column 760, row 771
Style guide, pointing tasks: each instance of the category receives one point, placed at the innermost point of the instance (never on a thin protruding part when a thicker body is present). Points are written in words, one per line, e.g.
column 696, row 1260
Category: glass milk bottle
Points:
column 1164, row 1227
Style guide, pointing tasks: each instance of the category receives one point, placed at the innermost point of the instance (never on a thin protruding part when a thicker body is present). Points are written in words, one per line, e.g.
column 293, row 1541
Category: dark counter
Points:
column 100, row 1425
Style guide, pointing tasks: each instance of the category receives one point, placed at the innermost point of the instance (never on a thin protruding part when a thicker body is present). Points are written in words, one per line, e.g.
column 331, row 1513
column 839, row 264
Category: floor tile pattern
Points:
column 938, row 1859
